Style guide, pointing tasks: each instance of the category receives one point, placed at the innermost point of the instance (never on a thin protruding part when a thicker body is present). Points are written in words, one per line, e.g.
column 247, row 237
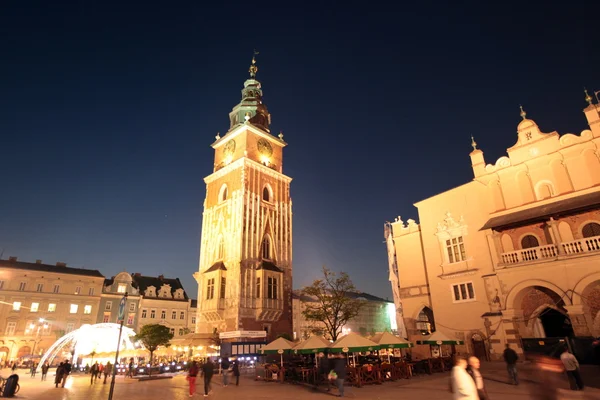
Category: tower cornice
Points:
column 244, row 161
column 247, row 126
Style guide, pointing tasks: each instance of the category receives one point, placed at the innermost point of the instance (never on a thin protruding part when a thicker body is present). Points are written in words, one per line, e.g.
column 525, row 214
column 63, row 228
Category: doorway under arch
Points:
column 555, row 323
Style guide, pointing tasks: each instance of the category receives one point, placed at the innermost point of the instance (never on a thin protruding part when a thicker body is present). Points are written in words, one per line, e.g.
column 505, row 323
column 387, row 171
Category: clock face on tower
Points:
column 264, row 147
column 229, row 148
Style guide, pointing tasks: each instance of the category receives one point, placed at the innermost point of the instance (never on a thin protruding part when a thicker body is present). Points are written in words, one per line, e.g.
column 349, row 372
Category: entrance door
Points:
column 479, row 347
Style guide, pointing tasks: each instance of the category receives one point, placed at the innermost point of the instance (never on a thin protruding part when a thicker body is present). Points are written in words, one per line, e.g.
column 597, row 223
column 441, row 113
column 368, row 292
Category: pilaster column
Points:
column 578, row 320
column 511, row 323
column 557, row 240
column 495, row 245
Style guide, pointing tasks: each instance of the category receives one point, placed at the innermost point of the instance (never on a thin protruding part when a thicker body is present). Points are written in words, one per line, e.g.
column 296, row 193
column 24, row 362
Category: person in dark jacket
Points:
column 60, row 371
column 67, row 372
column 236, row 372
column 473, row 370
column 208, row 370
column 339, row 367
column 511, row 358
column 45, row 368
column 191, row 377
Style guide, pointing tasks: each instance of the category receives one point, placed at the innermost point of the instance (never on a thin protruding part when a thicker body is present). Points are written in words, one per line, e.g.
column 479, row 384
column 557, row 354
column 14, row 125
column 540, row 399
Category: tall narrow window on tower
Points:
column 223, row 286
column 266, row 248
column 272, row 288
column 220, row 248
column 266, row 196
column 210, row 289
column 223, row 193
column 258, row 288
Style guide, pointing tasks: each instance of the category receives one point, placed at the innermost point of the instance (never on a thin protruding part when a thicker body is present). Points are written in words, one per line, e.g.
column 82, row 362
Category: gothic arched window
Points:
column 220, row 248
column 223, row 193
column 266, row 248
column 529, row 241
column 591, row 229
column 266, row 195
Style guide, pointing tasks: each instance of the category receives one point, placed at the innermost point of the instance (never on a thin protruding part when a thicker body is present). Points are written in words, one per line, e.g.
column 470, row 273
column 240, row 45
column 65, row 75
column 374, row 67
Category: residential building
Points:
column 39, row 303
column 112, row 292
column 163, row 301
column 514, row 253
column 245, row 267
column 375, row 316
column 193, row 315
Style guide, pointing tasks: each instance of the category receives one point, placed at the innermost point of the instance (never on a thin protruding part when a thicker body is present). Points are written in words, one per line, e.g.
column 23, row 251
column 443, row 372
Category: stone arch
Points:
column 496, row 195
column 544, row 190
column 531, row 236
column 267, row 193
column 592, row 164
column 584, row 224
column 23, row 351
column 507, row 243
column 223, row 193
column 525, row 188
column 565, row 231
column 515, row 296
column 582, row 285
column 561, row 177
column 428, row 312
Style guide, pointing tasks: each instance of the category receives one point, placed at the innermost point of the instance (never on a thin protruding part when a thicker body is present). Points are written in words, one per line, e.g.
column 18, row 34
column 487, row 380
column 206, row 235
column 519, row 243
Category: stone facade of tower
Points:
column 245, row 270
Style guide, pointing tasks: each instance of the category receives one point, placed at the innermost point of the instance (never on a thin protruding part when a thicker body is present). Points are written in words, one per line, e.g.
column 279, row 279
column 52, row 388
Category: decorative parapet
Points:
column 402, row 228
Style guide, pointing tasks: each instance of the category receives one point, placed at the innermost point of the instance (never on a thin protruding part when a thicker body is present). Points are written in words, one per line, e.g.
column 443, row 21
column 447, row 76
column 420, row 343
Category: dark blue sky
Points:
column 108, row 108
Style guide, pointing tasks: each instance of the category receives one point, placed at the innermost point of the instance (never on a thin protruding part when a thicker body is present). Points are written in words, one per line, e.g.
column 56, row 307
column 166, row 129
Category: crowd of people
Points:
column 207, row 370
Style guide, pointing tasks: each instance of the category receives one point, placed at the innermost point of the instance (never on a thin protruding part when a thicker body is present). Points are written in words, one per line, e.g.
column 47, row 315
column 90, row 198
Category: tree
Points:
column 329, row 301
column 152, row 336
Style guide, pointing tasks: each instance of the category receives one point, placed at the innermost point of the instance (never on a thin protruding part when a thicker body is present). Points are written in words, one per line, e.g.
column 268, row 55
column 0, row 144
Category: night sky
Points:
column 108, row 108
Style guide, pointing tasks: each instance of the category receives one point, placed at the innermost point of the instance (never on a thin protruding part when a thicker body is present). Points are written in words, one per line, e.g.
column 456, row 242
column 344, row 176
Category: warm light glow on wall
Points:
column 228, row 160
column 391, row 312
column 265, row 160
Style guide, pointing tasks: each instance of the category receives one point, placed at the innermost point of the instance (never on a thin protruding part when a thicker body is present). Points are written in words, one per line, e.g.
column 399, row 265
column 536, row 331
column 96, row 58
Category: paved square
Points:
column 428, row 387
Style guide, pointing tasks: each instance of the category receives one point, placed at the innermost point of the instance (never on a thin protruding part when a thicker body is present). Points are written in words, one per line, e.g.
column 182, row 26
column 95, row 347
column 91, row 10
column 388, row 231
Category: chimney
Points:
column 61, row 264
column 161, row 277
column 38, row 261
column 12, row 258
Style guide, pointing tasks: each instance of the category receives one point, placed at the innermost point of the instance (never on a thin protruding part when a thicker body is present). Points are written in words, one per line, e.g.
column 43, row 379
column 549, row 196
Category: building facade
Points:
column 513, row 254
column 112, row 292
column 39, row 303
column 376, row 315
column 245, row 268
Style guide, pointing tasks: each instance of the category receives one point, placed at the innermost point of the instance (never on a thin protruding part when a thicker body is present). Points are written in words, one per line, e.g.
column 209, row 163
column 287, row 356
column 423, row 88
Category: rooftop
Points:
column 59, row 268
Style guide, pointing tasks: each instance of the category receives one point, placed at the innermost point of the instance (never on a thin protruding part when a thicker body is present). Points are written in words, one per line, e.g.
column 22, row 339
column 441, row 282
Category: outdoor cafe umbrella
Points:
column 388, row 341
column 277, row 346
column 437, row 338
column 314, row 344
column 353, row 342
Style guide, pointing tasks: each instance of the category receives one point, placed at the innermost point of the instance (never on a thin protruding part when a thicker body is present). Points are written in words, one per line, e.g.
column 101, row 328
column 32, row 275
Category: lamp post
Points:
column 120, row 317
column 41, row 322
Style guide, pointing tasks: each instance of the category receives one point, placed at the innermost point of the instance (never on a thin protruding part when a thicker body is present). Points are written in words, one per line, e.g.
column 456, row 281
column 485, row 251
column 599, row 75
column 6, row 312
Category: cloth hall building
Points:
column 512, row 254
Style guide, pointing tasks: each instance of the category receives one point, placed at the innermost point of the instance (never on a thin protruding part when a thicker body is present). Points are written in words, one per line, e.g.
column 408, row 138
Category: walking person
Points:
column 339, row 367
column 94, row 373
column 473, row 370
column 572, row 367
column 33, row 368
column 462, row 385
column 236, row 372
column 67, row 372
column 45, row 368
column 191, row 377
column 14, row 367
column 60, row 370
column 511, row 358
column 208, row 370
column 108, row 370
column 225, row 370
column 130, row 371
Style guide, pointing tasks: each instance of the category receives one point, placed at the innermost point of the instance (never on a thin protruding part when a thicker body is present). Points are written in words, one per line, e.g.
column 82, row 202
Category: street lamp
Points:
column 41, row 322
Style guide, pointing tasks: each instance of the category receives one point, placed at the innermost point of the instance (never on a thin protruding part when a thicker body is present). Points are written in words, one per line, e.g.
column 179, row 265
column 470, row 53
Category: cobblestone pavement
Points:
column 428, row 387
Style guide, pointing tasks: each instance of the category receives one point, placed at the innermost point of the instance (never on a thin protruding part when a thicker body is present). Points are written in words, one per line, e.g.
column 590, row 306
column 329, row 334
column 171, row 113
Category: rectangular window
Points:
column 91, row 291
column 73, row 308
column 108, row 306
column 173, row 314
column 106, row 317
column 272, row 288
column 152, row 314
column 1, row 285
column 51, row 307
column 194, row 320
column 87, row 309
column 10, row 328
column 258, row 288
column 463, row 292
column 144, row 313
column 456, row 250
column 130, row 319
column 131, row 307
column 223, row 283
column 16, row 306
column 22, row 286
column 47, row 328
column 172, row 331
column 182, row 315
column 163, row 314
column 78, row 290
column 210, row 289
column 34, row 307
column 70, row 327
column 122, row 288
column 56, row 289
column 40, row 287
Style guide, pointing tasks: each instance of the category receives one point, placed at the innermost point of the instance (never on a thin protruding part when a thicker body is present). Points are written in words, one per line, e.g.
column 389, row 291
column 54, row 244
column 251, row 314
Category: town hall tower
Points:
column 245, row 268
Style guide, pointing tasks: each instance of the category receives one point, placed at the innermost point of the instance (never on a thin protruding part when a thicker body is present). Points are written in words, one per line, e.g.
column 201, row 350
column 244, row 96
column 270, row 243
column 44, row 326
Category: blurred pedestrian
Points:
column 60, row 370
column 236, row 372
column 572, row 368
column 45, row 368
column 208, row 370
column 511, row 358
column 473, row 370
column 191, row 377
column 462, row 385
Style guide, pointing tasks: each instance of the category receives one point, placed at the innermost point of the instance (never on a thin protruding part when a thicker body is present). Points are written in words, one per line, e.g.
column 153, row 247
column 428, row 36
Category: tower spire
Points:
column 253, row 68
column 473, row 143
column 588, row 98
column 523, row 113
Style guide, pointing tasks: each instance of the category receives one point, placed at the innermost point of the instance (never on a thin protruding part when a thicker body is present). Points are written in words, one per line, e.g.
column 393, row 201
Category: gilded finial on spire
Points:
column 253, row 68
column 473, row 143
column 280, row 135
column 218, row 136
column 588, row 98
column 523, row 113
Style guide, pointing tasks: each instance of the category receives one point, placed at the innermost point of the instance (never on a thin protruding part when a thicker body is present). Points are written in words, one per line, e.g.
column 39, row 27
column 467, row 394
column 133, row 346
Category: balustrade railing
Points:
column 585, row 245
column 530, row 254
